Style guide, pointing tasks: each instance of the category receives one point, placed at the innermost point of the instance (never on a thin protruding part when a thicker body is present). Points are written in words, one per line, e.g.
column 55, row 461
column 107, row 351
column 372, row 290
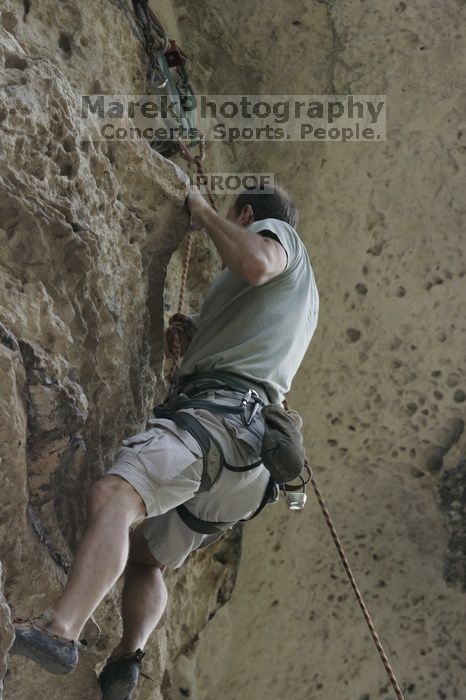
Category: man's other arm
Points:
column 256, row 258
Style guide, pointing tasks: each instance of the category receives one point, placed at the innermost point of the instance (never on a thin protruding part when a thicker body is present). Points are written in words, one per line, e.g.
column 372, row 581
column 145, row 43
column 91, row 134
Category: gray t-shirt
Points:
column 259, row 332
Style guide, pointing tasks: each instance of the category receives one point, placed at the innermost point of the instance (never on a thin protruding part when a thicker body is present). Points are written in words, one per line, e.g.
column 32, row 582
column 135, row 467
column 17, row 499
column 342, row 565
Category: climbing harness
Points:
column 214, row 461
column 295, row 497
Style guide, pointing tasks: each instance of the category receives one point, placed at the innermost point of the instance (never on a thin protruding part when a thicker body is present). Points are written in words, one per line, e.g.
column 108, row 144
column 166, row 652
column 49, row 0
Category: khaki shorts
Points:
column 164, row 465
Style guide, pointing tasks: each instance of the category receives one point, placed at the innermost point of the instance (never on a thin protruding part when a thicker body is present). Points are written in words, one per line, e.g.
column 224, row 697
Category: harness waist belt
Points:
column 178, row 403
column 229, row 380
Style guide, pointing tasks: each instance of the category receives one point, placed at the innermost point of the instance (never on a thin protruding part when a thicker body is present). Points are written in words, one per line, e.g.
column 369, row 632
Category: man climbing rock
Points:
column 195, row 471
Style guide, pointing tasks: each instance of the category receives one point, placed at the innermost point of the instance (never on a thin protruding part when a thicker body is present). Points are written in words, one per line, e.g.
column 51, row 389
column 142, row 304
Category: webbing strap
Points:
column 203, row 527
column 178, row 403
column 233, row 380
column 193, row 426
column 208, row 527
column 229, row 379
column 269, row 491
column 246, row 468
column 201, row 435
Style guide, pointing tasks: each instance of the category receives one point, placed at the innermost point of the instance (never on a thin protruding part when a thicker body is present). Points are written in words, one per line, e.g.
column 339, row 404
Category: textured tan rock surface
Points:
column 87, row 233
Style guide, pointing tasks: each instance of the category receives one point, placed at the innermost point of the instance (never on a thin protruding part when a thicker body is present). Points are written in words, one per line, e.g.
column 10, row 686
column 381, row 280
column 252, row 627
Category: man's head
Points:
column 268, row 203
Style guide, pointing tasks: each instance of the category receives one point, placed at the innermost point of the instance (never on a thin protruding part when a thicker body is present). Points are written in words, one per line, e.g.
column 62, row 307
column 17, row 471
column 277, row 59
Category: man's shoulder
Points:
column 273, row 225
column 289, row 239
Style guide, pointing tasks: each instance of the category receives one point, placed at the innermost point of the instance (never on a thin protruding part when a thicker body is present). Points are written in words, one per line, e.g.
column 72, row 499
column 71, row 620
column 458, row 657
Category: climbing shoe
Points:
column 54, row 653
column 120, row 676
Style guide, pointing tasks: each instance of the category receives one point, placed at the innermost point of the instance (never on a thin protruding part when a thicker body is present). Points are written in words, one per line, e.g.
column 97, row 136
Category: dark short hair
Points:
column 268, row 203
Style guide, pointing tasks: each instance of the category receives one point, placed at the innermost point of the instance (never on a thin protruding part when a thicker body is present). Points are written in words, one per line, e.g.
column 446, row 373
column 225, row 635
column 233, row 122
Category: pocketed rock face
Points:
column 86, row 234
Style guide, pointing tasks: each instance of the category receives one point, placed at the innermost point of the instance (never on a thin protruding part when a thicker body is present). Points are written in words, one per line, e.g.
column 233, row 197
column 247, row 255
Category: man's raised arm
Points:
column 256, row 258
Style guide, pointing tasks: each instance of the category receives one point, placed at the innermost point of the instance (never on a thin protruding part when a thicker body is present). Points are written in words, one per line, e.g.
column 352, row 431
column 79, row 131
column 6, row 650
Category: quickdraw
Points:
column 167, row 75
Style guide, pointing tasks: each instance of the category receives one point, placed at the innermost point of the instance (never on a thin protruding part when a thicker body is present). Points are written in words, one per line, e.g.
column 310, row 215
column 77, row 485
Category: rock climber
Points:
column 254, row 327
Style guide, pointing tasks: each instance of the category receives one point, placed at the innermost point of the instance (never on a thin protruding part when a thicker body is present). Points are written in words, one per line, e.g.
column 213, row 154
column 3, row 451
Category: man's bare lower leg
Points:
column 113, row 505
column 144, row 599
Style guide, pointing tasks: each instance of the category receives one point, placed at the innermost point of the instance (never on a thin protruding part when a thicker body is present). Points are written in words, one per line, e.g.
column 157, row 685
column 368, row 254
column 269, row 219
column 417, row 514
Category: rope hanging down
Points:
column 179, row 325
column 357, row 592
column 178, row 328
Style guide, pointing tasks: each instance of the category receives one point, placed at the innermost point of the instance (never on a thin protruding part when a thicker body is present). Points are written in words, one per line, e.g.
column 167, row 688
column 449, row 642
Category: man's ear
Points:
column 247, row 216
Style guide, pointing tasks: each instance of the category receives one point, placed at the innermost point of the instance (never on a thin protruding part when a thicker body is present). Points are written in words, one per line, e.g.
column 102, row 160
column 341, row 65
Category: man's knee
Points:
column 111, row 492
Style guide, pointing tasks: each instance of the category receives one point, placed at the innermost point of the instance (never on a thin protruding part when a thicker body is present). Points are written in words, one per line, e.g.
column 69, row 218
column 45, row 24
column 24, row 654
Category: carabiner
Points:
column 246, row 398
column 250, row 394
column 253, row 413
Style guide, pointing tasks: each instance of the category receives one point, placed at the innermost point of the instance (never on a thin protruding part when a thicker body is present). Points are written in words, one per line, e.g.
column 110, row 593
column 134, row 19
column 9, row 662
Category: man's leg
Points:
column 144, row 596
column 112, row 506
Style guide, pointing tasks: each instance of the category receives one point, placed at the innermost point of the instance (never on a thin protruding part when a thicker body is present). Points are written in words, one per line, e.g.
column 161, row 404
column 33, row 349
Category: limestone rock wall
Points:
column 87, row 231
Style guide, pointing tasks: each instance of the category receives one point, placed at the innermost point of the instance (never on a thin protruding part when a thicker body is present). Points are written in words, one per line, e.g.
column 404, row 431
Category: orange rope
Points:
column 197, row 161
column 178, row 327
column 357, row 592
column 349, row 573
column 184, row 273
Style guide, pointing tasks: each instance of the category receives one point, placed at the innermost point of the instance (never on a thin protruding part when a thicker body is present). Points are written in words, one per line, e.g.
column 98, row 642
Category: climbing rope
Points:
column 357, row 592
column 349, row 572
column 197, row 161
column 179, row 325
column 178, row 328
